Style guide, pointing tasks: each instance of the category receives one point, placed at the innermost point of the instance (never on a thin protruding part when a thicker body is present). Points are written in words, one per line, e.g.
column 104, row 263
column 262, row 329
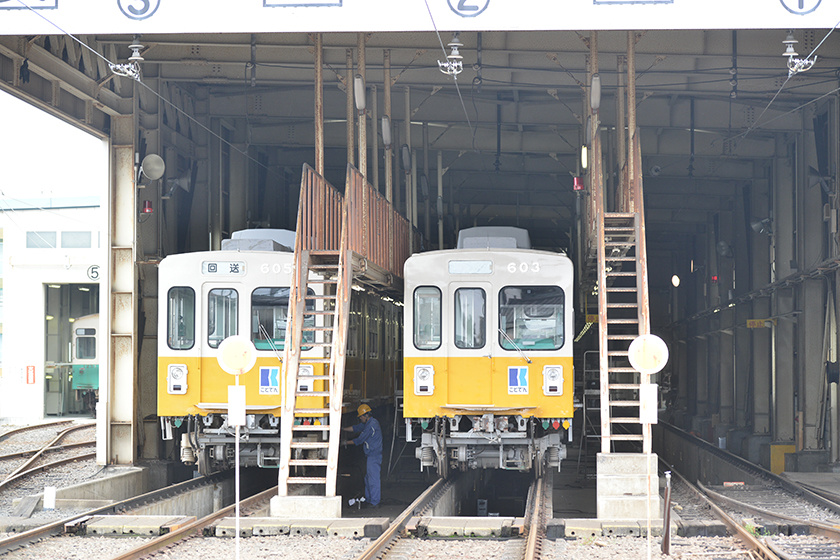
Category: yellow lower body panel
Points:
column 481, row 385
column 207, row 388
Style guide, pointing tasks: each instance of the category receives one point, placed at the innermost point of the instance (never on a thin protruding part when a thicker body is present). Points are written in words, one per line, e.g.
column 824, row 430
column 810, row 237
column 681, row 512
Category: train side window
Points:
column 180, row 333
column 85, row 344
column 427, row 318
column 223, row 308
column 470, row 318
column 531, row 317
column 269, row 314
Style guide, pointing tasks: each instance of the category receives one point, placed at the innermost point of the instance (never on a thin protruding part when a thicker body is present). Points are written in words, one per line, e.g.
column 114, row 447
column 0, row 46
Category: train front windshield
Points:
column 531, row 317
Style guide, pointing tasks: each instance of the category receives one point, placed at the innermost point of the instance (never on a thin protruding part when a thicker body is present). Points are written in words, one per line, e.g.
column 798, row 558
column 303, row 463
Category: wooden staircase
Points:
column 619, row 297
column 334, row 245
column 313, row 392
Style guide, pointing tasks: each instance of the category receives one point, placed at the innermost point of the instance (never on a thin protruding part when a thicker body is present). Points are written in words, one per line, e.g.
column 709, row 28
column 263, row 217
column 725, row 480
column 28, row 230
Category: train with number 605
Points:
column 243, row 289
column 488, row 375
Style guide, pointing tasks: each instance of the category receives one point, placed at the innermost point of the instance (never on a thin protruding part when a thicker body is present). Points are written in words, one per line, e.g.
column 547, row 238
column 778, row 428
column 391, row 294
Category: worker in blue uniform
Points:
column 370, row 438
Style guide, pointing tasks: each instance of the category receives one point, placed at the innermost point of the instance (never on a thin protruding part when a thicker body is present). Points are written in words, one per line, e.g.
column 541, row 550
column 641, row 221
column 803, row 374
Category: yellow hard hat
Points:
column 363, row 409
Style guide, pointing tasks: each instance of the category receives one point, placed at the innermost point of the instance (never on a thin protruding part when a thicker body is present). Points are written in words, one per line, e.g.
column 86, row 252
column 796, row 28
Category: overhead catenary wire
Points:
column 791, row 73
column 454, row 77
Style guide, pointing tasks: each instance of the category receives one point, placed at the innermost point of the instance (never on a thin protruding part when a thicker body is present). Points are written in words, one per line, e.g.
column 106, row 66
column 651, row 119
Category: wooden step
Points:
column 312, row 393
column 311, row 411
column 621, row 321
column 627, row 274
column 311, row 428
column 624, row 386
column 310, row 444
column 324, row 377
column 306, row 480
column 313, row 297
column 626, row 437
column 619, row 369
column 622, row 306
column 622, row 290
column 622, row 336
column 625, row 420
column 628, row 404
column 308, row 463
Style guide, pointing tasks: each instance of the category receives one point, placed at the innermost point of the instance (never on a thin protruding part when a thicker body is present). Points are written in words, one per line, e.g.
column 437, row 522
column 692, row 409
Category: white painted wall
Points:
column 26, row 271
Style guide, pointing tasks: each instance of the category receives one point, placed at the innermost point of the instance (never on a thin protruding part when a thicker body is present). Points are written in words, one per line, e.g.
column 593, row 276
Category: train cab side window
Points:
column 85, row 344
column 427, row 318
column 470, row 318
column 269, row 314
column 180, row 333
column 222, row 313
column 531, row 318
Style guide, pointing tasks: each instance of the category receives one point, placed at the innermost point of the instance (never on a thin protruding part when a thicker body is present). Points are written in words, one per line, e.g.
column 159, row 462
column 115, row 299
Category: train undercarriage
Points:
column 490, row 442
column 210, row 443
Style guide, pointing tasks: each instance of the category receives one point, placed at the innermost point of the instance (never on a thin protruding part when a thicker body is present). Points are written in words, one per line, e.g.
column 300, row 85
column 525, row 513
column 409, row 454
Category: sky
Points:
column 41, row 156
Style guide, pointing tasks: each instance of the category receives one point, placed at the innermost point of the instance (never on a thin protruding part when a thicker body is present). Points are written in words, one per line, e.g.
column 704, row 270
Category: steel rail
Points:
column 14, row 474
column 816, row 527
column 192, row 529
column 755, row 545
column 535, row 519
column 57, row 527
column 20, row 454
column 23, row 429
column 47, row 466
column 755, row 470
column 386, row 539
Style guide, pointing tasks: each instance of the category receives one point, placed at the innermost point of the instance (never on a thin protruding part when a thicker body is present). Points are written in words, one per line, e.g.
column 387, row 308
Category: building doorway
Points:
column 72, row 349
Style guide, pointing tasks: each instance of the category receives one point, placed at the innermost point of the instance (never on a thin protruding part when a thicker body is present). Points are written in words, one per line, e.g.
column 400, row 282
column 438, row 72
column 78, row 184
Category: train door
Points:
column 221, row 310
column 470, row 345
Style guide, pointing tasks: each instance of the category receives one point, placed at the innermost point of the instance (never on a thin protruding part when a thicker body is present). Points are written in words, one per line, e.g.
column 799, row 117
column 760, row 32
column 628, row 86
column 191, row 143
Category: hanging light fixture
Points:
column 359, row 93
column 386, row 131
column 454, row 64
column 595, row 92
column 796, row 65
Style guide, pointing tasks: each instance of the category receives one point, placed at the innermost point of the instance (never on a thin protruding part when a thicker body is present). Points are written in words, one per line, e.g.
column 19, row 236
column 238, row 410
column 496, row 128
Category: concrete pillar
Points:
column 761, row 258
column 812, row 386
column 784, row 302
column 117, row 406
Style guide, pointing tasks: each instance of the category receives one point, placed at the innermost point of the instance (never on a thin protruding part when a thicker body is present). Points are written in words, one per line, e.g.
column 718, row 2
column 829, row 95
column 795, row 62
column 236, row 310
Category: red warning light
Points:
column 714, row 279
column 578, row 184
column 555, row 424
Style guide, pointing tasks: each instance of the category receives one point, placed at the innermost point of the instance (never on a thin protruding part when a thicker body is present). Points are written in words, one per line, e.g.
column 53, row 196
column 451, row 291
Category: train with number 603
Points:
column 488, row 376
column 243, row 289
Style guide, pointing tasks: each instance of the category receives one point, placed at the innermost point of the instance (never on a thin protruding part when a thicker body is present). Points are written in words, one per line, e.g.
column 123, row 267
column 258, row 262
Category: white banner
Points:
column 35, row 17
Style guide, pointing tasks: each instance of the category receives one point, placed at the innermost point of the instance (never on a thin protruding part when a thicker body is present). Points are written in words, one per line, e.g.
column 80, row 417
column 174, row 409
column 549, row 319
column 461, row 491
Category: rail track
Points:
column 75, row 523
column 776, row 518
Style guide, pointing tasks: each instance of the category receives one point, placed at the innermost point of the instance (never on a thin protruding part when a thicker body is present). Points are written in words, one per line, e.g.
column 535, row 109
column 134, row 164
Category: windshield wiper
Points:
column 518, row 349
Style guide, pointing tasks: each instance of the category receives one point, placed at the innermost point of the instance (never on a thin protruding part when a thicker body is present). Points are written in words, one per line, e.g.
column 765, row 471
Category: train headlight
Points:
column 305, row 384
column 176, row 379
column 424, row 380
column 553, row 380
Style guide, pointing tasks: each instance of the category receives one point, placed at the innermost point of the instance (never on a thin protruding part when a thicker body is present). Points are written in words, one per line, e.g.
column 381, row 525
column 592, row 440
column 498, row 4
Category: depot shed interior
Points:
column 739, row 167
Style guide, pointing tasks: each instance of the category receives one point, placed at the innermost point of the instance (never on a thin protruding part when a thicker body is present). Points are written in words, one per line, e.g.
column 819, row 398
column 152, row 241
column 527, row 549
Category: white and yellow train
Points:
column 488, row 337
column 243, row 289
